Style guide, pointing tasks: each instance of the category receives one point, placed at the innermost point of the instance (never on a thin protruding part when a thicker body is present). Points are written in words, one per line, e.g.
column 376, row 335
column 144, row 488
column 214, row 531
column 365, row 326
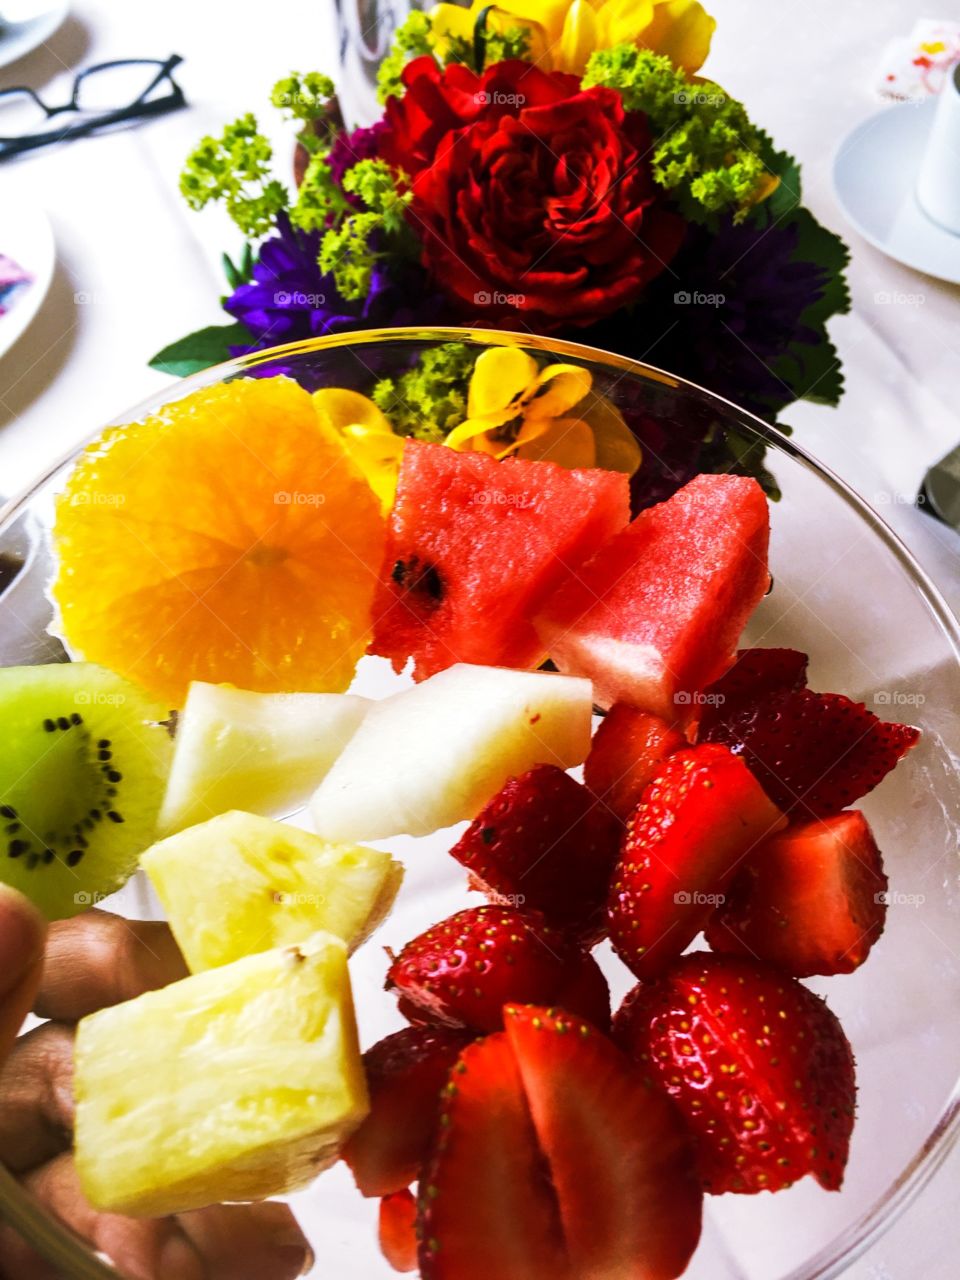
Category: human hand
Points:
column 64, row 973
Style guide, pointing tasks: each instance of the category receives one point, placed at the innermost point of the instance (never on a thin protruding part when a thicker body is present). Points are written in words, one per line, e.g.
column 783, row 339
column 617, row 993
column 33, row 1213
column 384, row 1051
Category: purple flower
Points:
column 291, row 299
column 349, row 148
column 729, row 309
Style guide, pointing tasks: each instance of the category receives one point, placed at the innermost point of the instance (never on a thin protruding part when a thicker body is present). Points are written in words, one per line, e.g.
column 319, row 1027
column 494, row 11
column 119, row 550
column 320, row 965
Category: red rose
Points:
column 533, row 198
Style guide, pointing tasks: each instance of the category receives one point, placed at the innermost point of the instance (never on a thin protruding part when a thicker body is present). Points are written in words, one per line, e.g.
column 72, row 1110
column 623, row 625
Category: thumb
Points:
column 23, row 933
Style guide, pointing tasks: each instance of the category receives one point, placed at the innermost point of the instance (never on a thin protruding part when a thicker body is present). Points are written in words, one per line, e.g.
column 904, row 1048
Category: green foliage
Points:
column 414, row 39
column 202, row 349
column 347, row 249
column 707, row 153
column 235, row 169
column 812, row 368
column 320, row 202
column 305, row 98
column 430, row 399
column 411, row 40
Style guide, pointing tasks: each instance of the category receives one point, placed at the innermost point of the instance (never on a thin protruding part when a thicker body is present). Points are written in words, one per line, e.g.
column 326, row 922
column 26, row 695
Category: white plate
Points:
column 874, row 175
column 27, row 237
column 18, row 38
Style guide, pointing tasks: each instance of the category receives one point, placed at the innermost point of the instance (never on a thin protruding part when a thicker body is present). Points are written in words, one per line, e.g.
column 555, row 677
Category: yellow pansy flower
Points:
column 515, row 408
column 368, row 436
column 563, row 33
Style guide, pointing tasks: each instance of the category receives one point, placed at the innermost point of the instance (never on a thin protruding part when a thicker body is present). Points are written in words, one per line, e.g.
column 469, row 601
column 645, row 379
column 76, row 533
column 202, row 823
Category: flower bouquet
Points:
column 540, row 166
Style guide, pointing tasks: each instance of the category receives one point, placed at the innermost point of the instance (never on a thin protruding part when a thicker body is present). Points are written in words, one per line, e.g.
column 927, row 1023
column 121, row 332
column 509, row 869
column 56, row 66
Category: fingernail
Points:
column 179, row 1260
column 22, row 934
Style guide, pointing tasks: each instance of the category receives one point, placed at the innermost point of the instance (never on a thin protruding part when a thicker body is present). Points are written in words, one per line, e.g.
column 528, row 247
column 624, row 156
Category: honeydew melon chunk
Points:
column 262, row 752
column 435, row 754
column 236, row 1084
column 241, row 883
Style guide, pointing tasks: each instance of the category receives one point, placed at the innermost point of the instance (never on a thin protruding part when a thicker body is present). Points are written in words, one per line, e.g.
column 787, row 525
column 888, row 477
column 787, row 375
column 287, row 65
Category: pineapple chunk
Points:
column 239, row 884
column 264, row 752
column 237, row 1084
column 434, row 755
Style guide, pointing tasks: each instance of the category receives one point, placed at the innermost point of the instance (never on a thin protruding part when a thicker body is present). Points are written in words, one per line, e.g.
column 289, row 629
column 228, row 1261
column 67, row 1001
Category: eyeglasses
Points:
column 107, row 94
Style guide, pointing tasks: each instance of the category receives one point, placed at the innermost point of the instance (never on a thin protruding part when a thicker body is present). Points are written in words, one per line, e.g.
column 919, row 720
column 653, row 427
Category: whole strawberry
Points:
column 462, row 971
column 545, row 842
column 700, row 816
column 757, row 1064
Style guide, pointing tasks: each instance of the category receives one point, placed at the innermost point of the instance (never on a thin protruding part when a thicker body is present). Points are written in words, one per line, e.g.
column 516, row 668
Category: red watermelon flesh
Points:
column 475, row 547
column 656, row 615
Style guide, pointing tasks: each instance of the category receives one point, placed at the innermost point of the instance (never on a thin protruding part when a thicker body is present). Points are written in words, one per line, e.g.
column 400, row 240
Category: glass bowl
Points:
column 849, row 594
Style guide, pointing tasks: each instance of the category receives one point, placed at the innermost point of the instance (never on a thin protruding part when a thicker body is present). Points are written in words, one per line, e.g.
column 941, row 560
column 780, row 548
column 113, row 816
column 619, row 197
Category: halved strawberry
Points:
column 815, row 753
column 701, row 815
column 406, row 1073
column 487, row 1209
column 398, row 1230
column 757, row 1064
column 810, row 900
column 465, row 969
column 544, row 842
column 626, row 752
column 617, row 1151
column 755, row 676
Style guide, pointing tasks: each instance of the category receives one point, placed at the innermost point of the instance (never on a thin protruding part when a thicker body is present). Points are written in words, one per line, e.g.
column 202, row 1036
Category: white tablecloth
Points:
column 136, row 270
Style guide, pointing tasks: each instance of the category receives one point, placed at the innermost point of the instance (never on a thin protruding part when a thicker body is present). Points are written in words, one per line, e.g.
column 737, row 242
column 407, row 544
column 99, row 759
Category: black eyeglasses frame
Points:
column 139, row 109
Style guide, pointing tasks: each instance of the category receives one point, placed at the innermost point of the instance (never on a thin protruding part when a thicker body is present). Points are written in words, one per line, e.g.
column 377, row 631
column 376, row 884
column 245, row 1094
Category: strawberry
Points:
column 406, row 1073
column 700, row 816
column 627, row 751
column 813, row 752
column 544, row 842
column 810, row 900
column 618, row 1154
column 757, row 1064
column 755, row 676
column 486, row 1210
column 465, row 969
column 398, row 1230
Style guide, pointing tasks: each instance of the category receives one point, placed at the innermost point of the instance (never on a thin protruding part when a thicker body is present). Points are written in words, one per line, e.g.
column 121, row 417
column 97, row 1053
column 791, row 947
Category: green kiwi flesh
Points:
column 83, row 766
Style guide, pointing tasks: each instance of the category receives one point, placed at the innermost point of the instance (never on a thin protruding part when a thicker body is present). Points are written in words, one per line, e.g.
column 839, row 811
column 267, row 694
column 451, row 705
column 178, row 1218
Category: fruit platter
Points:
column 565, row 878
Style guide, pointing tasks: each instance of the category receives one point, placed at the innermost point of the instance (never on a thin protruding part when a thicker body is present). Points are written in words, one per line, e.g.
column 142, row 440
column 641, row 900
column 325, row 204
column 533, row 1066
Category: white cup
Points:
column 938, row 184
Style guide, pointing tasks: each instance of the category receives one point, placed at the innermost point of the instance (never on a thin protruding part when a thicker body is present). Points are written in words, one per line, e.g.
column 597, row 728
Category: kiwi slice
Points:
column 83, row 765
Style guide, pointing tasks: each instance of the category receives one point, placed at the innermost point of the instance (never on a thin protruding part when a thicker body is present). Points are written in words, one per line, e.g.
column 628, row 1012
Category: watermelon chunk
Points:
column 475, row 547
column 656, row 615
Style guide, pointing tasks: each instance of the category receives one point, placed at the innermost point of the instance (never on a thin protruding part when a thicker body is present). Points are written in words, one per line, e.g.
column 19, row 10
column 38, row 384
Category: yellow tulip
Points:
column 563, row 33
column 549, row 414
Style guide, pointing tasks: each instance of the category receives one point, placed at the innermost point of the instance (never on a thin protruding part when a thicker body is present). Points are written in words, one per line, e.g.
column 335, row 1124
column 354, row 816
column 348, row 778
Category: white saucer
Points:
column 874, row 174
column 21, row 35
column 27, row 237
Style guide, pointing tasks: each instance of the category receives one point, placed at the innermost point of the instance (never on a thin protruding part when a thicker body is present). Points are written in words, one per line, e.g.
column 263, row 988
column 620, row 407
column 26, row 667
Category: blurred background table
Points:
column 136, row 269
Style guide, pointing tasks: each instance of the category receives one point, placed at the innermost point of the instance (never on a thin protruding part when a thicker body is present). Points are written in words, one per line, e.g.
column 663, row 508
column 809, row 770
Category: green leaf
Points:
column 234, row 279
column 817, row 244
column 202, row 349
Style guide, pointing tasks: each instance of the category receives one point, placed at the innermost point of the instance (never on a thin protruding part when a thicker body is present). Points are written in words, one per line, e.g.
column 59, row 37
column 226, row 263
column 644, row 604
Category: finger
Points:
column 36, row 1098
column 22, row 934
column 224, row 1242
column 249, row 1242
column 140, row 1248
column 18, row 1260
column 98, row 959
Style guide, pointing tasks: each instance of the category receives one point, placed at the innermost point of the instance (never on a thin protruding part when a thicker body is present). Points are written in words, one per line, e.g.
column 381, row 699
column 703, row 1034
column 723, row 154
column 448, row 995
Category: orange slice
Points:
column 227, row 538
